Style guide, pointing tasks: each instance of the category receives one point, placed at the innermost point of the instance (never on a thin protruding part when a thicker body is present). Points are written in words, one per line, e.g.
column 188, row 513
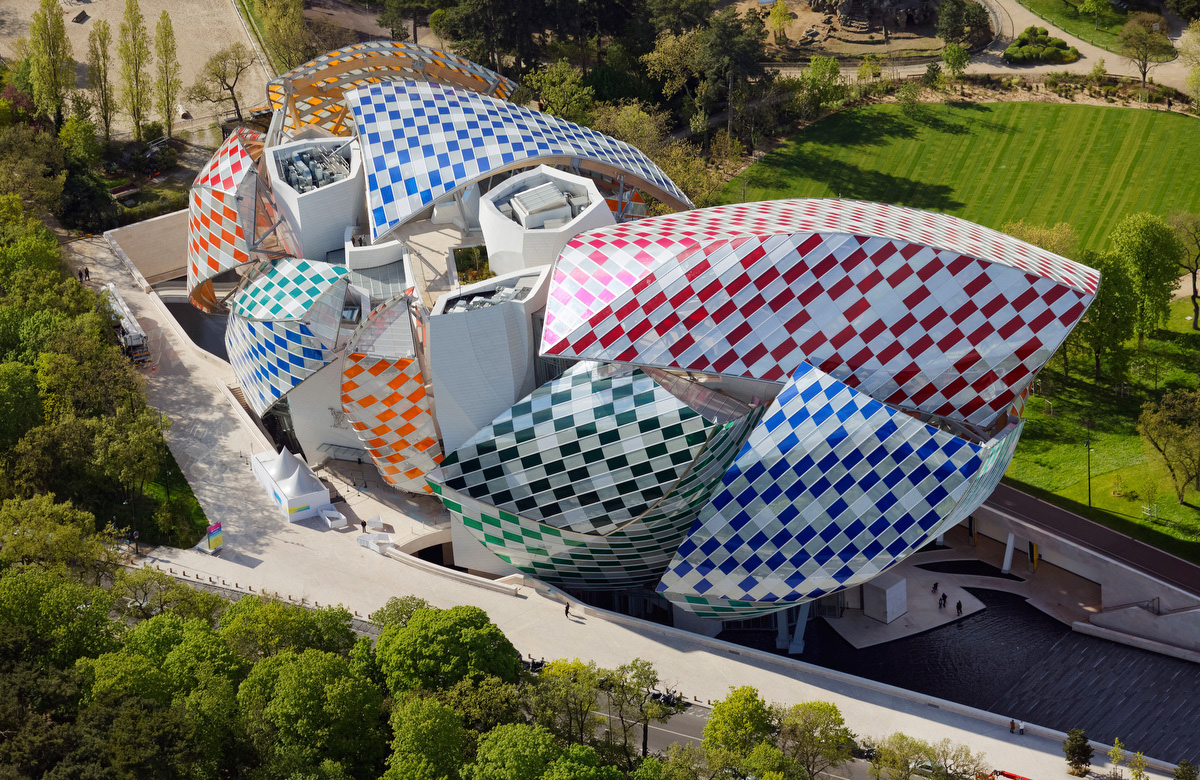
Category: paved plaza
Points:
column 308, row 562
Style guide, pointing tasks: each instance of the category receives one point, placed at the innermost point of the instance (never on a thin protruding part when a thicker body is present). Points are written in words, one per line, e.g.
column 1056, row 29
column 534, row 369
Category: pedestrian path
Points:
column 317, row 565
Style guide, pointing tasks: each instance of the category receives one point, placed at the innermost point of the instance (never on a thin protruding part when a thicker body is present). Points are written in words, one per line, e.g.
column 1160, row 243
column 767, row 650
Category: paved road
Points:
column 1080, row 530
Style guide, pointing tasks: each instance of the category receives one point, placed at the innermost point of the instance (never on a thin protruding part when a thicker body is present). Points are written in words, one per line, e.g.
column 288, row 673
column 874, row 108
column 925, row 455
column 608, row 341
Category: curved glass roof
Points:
column 311, row 93
column 423, row 141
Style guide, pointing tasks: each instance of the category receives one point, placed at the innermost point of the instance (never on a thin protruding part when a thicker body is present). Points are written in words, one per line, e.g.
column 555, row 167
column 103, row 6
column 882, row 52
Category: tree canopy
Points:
column 440, row 647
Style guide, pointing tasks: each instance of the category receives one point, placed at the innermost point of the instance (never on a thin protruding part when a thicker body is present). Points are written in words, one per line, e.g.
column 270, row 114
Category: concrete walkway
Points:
column 212, row 441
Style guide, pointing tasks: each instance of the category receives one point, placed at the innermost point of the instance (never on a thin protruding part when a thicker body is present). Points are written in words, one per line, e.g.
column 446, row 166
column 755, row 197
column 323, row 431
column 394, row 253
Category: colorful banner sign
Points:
column 214, row 536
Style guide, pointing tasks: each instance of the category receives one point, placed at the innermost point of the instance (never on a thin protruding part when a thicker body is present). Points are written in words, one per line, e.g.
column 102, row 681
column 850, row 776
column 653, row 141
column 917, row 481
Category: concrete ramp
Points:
column 157, row 247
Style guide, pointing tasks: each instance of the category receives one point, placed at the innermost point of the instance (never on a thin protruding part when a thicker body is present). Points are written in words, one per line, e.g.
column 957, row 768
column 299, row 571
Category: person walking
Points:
column 87, row 274
column 81, row 277
column 1021, row 728
column 934, row 588
column 958, row 606
column 1012, row 727
column 945, row 597
column 364, row 526
column 567, row 610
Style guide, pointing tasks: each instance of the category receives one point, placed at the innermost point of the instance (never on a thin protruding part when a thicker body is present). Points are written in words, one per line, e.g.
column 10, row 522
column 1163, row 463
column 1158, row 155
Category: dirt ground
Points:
column 202, row 28
column 812, row 32
column 360, row 20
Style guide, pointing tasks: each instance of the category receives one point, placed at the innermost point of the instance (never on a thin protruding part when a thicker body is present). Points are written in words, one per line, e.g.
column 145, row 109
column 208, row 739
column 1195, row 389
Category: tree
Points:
column 217, row 82
column 678, row 16
column 119, row 675
column 258, row 627
column 737, row 724
column 133, row 49
column 564, row 699
column 398, row 611
column 1187, row 233
column 778, row 21
column 1185, row 771
column 951, row 21
column 1189, row 45
column 869, row 69
column 898, row 756
column 38, row 531
column 956, row 58
column 1097, row 9
column 31, row 166
column 731, row 54
column 1172, row 427
column 439, row 647
column 396, row 13
column 65, row 620
column 144, row 593
column 311, row 706
column 561, row 91
column 674, row 61
column 51, row 69
column 513, row 751
column 1078, row 752
column 1109, row 321
column 1144, row 42
column 78, row 140
column 485, row 704
column 1149, row 248
column 813, row 734
column 167, row 83
column 580, row 762
column 1137, row 767
column 20, row 404
column 1116, row 755
column 99, row 66
column 629, row 688
column 429, row 733
column 955, row 761
column 1187, row 10
column 286, row 32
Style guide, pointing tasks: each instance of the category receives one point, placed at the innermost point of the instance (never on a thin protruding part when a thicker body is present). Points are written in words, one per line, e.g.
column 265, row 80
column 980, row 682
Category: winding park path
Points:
column 1012, row 18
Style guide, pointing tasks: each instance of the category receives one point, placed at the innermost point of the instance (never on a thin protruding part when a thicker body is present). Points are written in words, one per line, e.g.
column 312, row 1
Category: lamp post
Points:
column 1089, row 458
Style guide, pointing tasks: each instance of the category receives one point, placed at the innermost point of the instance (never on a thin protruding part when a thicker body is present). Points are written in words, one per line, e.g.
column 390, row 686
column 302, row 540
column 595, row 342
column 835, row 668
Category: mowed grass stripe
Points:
column 994, row 163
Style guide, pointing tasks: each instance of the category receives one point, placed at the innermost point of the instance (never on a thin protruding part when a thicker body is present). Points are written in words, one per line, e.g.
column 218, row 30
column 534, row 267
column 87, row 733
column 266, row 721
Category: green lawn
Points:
column 1065, row 15
column 1126, row 475
column 1045, row 163
column 993, row 163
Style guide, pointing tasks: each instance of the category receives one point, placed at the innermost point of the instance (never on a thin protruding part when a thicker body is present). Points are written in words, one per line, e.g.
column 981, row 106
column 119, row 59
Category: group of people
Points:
column 85, row 275
column 943, row 598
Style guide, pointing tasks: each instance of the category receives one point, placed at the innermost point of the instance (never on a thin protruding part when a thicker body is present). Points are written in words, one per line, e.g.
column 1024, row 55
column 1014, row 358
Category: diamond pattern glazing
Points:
column 422, row 141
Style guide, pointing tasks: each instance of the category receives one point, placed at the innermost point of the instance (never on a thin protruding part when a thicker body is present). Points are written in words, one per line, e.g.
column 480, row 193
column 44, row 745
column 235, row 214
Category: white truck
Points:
column 129, row 334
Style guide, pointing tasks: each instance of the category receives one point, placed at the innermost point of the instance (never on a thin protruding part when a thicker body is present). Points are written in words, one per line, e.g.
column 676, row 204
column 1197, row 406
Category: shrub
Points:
column 1035, row 45
column 152, row 131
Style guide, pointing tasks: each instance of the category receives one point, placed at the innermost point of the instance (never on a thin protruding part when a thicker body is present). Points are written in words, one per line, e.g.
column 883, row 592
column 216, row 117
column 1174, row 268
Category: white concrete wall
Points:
column 482, row 365
column 358, row 257
column 1180, row 629
column 312, row 403
column 482, row 361
column 511, row 247
column 1119, row 584
column 320, row 215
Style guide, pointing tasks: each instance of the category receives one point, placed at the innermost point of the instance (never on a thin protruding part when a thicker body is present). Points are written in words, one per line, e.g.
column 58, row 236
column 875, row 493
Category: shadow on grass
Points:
column 1129, row 524
column 859, row 127
column 847, row 180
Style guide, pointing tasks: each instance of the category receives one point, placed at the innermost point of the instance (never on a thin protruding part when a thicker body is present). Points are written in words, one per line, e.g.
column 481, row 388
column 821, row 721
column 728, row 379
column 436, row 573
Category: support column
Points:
column 941, row 540
column 783, row 635
column 1008, row 553
column 797, row 645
